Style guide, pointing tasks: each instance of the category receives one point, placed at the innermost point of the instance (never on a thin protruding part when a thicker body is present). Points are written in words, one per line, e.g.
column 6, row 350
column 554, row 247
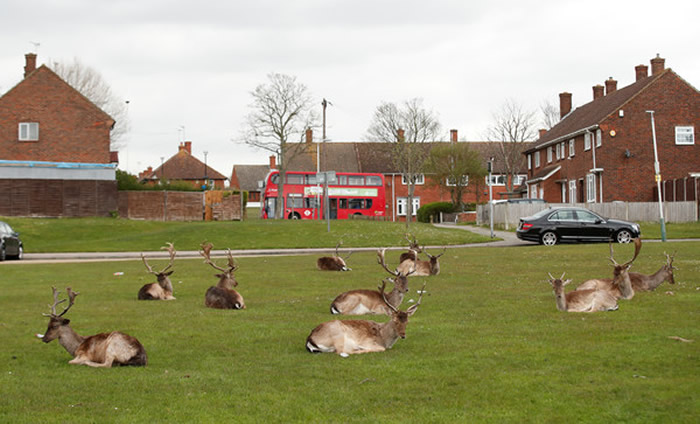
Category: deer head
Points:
column 226, row 278
column 399, row 318
column 56, row 321
column 668, row 267
column 558, row 285
column 162, row 275
column 400, row 277
column 619, row 268
column 413, row 243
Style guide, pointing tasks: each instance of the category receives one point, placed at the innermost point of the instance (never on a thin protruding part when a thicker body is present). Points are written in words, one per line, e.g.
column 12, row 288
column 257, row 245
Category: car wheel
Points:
column 2, row 253
column 20, row 253
column 623, row 236
column 549, row 238
column 294, row 216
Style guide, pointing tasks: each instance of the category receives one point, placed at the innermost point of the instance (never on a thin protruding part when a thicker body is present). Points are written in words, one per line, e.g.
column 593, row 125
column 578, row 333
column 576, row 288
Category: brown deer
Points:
column 413, row 249
column 222, row 296
column 100, row 350
column 359, row 336
column 642, row 282
column 581, row 300
column 333, row 263
column 422, row 268
column 361, row 302
column 163, row 289
column 620, row 286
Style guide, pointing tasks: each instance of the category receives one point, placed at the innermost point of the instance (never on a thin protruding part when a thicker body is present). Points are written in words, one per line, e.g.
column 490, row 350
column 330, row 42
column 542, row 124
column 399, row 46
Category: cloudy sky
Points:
column 192, row 65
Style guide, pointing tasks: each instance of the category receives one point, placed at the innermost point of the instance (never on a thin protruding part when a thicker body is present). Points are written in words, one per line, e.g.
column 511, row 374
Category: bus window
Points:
column 368, row 203
column 311, row 179
column 373, row 180
column 295, row 202
column 275, row 179
column 295, row 178
column 356, row 204
column 342, row 203
column 342, row 179
column 356, row 180
column 311, row 202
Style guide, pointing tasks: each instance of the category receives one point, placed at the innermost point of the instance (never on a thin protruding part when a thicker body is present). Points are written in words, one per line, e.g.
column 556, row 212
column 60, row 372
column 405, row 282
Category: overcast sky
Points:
column 193, row 64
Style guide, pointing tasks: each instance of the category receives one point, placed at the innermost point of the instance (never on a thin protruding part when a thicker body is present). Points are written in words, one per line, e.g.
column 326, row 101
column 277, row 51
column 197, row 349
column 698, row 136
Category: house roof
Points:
column 594, row 112
column 184, row 166
column 249, row 175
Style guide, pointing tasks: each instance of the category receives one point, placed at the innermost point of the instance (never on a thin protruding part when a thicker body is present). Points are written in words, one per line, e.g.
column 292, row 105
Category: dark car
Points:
column 10, row 244
column 551, row 226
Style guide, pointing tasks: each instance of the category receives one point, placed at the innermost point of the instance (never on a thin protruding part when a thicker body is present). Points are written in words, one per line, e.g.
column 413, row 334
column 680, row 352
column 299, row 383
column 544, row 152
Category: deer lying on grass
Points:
column 100, row 350
column 361, row 302
column 222, row 296
column 413, row 249
column 620, row 286
column 421, row 268
column 163, row 289
column 642, row 282
column 581, row 300
column 359, row 336
column 333, row 263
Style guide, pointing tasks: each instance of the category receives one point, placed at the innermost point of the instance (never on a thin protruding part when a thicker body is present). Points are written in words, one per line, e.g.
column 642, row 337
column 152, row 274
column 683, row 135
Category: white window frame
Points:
column 572, row 191
column 572, row 143
column 28, row 131
column 598, row 138
column 587, row 141
column 496, row 179
column 537, row 159
column 533, row 191
column 563, row 193
column 402, row 203
column 420, row 179
column 518, row 180
column 558, row 151
column 450, row 181
column 563, row 149
column 549, row 154
column 685, row 135
column 529, row 161
column 590, row 188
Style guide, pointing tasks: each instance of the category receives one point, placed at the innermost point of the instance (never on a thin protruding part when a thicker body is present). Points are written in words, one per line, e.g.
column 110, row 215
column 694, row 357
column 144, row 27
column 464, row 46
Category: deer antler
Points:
column 171, row 251
column 56, row 302
column 413, row 308
column 231, row 262
column 442, row 253
column 412, row 242
column 206, row 252
column 637, row 248
column 381, row 291
column 380, row 261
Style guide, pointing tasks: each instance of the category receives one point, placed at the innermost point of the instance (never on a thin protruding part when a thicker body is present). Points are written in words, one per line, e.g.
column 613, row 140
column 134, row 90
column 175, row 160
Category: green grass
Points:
column 486, row 345
column 115, row 235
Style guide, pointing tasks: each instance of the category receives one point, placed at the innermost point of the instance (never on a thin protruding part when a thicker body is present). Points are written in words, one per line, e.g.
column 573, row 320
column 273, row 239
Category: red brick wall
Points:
column 71, row 129
column 67, row 198
column 161, row 205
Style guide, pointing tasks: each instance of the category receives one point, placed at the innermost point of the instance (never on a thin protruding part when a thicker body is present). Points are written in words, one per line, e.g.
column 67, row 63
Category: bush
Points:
column 434, row 209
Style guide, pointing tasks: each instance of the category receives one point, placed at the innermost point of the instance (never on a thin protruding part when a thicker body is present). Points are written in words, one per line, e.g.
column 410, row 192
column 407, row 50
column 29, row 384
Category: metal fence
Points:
column 509, row 214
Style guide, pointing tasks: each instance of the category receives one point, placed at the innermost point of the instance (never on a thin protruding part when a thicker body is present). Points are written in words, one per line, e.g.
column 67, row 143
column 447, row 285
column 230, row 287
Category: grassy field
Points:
column 486, row 345
column 115, row 235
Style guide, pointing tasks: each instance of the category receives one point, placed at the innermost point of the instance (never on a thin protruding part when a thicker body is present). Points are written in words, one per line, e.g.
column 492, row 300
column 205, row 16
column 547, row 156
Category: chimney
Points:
column 453, row 136
column 273, row 164
column 610, row 86
column 30, row 63
column 564, row 104
column 400, row 135
column 641, row 71
column 186, row 146
column 113, row 157
column 542, row 132
column 598, row 91
column 657, row 65
column 309, row 135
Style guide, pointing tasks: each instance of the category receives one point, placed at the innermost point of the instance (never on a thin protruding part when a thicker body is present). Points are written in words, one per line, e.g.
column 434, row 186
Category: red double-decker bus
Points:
column 350, row 193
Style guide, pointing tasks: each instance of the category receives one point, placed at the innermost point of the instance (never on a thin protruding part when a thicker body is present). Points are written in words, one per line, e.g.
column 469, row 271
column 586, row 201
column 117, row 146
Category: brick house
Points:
column 603, row 151
column 375, row 157
column 246, row 178
column 55, row 157
column 184, row 167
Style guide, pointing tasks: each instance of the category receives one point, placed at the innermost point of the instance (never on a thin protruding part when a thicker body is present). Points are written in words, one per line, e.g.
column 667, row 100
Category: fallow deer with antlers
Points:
column 421, row 268
column 222, row 296
column 620, row 286
column 361, row 302
column 643, row 282
column 581, row 300
column 163, row 289
column 413, row 249
column 359, row 336
column 100, row 350
column 333, row 263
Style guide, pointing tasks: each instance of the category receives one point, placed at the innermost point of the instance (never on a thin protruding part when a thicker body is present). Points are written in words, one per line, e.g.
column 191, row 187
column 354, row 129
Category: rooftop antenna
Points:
column 325, row 104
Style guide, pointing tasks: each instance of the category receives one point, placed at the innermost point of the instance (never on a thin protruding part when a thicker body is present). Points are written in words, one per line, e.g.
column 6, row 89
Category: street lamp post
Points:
column 490, row 169
column 657, row 176
column 205, row 168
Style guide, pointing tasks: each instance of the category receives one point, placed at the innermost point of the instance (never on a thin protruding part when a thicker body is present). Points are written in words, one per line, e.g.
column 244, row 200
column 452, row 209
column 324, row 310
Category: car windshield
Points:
column 540, row 214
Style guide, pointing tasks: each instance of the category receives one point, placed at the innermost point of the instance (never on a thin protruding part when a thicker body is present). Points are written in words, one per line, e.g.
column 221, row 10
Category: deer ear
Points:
column 66, row 321
column 567, row 281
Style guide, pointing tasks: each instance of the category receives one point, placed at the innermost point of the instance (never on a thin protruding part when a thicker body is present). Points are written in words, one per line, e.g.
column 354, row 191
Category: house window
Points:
column 28, row 131
column 598, row 138
column 587, row 141
column 590, row 188
column 685, row 135
column 496, row 180
column 420, row 179
column 537, row 159
column 563, row 193
column 558, row 152
column 529, row 161
column 563, row 149
column 572, row 191
column 451, row 181
column 402, row 205
column 571, row 147
column 549, row 154
column 518, row 180
column 533, row 191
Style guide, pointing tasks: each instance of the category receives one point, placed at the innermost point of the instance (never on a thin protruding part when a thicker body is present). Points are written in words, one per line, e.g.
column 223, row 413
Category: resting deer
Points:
column 222, row 296
column 642, row 282
column 163, row 289
column 620, row 286
column 422, row 268
column 413, row 249
column 361, row 302
column 333, row 263
column 581, row 300
column 100, row 350
column 359, row 336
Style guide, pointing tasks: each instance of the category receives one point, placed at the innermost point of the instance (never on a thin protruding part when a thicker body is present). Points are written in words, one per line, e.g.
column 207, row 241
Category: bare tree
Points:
column 410, row 127
column 454, row 166
column 280, row 113
column 512, row 126
column 550, row 115
column 89, row 83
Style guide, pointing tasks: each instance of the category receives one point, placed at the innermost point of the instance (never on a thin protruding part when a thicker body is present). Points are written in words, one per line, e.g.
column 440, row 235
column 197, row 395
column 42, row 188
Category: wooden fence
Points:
column 180, row 205
column 57, row 198
column 509, row 214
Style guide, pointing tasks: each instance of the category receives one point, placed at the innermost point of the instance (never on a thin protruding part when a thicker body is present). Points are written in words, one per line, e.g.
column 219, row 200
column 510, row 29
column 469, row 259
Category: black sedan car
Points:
column 10, row 244
column 552, row 226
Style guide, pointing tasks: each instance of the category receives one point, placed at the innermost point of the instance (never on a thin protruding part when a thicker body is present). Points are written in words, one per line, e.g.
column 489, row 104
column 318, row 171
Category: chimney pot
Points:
column 309, row 135
column 453, row 136
column 598, row 91
column 641, row 72
column 657, row 65
column 188, row 146
column 400, row 134
column 610, row 86
column 273, row 164
column 564, row 104
column 30, row 66
column 543, row 131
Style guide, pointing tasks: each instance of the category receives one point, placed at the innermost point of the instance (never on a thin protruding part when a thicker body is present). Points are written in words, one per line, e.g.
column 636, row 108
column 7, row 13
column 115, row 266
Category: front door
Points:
column 333, row 208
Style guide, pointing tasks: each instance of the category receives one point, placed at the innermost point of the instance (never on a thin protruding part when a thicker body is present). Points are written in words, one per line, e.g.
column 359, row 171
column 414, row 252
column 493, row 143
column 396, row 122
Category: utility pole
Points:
column 657, row 176
column 490, row 169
